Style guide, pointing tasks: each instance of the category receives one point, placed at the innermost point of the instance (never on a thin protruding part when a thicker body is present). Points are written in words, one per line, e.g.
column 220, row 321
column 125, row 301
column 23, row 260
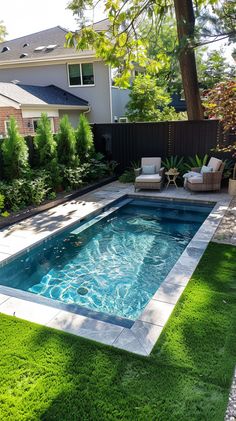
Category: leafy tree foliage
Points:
column 145, row 98
column 214, row 69
column 15, row 152
column 149, row 102
column 124, row 44
column 44, row 141
column 66, row 143
column 220, row 103
column 3, row 31
column 84, row 139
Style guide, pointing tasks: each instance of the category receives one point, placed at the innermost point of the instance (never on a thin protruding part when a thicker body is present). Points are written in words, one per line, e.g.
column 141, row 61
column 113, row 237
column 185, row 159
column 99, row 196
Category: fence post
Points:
column 170, row 139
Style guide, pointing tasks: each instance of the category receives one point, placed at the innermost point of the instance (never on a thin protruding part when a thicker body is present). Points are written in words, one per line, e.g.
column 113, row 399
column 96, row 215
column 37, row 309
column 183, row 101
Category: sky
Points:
column 23, row 17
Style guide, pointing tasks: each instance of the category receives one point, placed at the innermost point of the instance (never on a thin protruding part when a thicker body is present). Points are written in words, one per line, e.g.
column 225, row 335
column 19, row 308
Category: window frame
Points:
column 38, row 118
column 81, row 75
column 5, row 126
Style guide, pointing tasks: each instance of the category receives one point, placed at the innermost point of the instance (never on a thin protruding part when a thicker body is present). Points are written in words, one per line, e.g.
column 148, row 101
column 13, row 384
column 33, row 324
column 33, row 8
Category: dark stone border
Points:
column 27, row 213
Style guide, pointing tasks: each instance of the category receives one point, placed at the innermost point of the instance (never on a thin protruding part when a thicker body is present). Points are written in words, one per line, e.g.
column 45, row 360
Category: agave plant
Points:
column 174, row 162
column 196, row 161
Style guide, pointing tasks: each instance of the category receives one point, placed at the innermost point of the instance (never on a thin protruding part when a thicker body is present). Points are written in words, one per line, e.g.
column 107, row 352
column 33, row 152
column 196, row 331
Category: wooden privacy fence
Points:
column 127, row 142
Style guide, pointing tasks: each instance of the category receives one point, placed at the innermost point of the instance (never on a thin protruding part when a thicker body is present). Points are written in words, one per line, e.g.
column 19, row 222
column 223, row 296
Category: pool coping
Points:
column 143, row 334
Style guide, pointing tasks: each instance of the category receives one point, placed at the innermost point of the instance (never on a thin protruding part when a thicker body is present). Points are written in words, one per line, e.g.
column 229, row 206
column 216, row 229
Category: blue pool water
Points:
column 115, row 265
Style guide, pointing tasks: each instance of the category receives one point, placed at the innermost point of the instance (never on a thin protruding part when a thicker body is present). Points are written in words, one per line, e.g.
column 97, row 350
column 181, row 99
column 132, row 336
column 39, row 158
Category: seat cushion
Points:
column 196, row 179
column 214, row 163
column 148, row 178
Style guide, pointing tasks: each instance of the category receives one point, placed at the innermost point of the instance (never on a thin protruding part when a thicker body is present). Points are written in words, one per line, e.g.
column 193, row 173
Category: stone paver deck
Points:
column 143, row 334
column 226, row 232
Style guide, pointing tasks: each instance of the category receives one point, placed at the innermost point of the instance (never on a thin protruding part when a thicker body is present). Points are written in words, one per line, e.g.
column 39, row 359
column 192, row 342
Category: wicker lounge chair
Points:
column 209, row 181
column 149, row 181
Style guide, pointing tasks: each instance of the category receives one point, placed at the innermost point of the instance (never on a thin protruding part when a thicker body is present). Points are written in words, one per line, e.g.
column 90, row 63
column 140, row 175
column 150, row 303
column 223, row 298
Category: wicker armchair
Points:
column 149, row 181
column 210, row 181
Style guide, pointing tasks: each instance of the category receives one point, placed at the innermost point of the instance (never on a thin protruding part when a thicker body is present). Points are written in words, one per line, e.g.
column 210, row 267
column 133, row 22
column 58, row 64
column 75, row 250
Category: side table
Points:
column 171, row 177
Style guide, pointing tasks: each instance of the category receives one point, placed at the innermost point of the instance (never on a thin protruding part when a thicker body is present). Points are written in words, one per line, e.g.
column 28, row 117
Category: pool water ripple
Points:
column 117, row 264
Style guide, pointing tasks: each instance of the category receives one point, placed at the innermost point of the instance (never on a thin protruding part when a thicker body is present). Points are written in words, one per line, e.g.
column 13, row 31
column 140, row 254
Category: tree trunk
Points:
column 185, row 27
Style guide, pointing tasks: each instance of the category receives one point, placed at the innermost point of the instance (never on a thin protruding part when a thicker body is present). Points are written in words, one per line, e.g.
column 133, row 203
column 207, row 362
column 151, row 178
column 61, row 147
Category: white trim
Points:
column 110, row 93
column 81, row 76
column 36, row 113
column 5, row 125
column 57, row 106
column 45, row 61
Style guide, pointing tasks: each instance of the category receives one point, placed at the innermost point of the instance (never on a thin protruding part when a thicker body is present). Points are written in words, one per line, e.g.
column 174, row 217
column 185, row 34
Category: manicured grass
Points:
column 49, row 375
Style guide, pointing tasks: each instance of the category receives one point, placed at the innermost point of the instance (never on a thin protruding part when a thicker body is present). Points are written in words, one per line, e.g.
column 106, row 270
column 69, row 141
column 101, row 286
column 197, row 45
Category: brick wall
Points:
column 6, row 113
column 25, row 125
column 56, row 122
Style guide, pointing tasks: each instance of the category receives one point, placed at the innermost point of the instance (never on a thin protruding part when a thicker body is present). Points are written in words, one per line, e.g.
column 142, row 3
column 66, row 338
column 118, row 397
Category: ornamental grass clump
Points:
column 14, row 152
column 84, row 139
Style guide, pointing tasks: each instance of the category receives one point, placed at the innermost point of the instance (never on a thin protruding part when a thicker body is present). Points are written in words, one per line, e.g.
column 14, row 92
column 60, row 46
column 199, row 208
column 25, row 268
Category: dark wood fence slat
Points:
column 127, row 142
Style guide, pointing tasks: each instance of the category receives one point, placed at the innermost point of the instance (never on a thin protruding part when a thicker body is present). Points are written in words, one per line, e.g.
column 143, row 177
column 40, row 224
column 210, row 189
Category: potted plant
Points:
column 232, row 183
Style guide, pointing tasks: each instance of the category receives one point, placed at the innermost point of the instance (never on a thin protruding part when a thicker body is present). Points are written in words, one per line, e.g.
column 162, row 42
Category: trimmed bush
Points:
column 66, row 143
column 44, row 141
column 84, row 139
column 14, row 152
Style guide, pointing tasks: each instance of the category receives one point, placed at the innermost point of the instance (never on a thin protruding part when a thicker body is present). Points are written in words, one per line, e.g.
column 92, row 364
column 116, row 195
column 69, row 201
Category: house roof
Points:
column 53, row 40
column 40, row 95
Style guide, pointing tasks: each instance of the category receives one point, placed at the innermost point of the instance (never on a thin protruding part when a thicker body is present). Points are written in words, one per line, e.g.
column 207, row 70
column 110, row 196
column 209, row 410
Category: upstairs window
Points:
column 81, row 74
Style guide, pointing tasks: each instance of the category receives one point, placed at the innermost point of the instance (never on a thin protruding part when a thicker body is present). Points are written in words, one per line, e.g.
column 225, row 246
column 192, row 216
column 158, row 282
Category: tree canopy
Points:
column 3, row 31
column 125, row 44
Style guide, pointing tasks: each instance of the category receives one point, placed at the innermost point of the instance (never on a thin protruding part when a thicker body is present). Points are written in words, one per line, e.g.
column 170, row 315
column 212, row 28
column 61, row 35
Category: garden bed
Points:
column 48, row 204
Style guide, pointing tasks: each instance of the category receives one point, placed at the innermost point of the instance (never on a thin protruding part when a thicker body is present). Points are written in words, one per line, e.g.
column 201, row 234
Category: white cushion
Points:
column 196, row 179
column 206, row 169
column 191, row 174
column 214, row 163
column 149, row 178
column 152, row 161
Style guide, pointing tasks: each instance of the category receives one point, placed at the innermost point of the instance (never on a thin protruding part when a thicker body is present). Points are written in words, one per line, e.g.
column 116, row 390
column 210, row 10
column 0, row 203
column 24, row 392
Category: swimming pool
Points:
column 112, row 264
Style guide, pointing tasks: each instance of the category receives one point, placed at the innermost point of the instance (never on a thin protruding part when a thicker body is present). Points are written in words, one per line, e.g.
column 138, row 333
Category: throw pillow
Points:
column 149, row 169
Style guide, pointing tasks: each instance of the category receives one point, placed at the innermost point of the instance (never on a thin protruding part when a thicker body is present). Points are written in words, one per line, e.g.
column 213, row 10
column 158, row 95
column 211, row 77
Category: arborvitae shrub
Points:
column 44, row 142
column 14, row 152
column 66, row 144
column 84, row 139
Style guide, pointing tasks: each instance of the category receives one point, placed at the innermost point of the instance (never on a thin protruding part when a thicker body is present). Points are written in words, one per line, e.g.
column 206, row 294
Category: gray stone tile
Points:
column 168, row 292
column 86, row 327
column 3, row 256
column 28, row 310
column 129, row 342
column 3, row 298
column 147, row 334
column 156, row 312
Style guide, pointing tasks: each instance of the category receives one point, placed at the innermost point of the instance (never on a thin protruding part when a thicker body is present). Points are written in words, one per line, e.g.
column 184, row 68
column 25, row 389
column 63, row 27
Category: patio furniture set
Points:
column 151, row 176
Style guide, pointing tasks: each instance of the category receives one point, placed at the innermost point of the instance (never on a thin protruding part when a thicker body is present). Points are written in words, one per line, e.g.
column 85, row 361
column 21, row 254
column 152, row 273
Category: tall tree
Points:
column 185, row 26
column 124, row 44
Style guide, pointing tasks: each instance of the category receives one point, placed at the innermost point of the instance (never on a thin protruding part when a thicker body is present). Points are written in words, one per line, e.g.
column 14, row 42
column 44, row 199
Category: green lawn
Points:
column 50, row 375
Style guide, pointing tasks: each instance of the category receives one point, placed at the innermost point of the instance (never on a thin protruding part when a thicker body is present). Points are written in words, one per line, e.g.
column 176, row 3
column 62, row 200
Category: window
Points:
column 81, row 74
column 7, row 125
column 35, row 124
